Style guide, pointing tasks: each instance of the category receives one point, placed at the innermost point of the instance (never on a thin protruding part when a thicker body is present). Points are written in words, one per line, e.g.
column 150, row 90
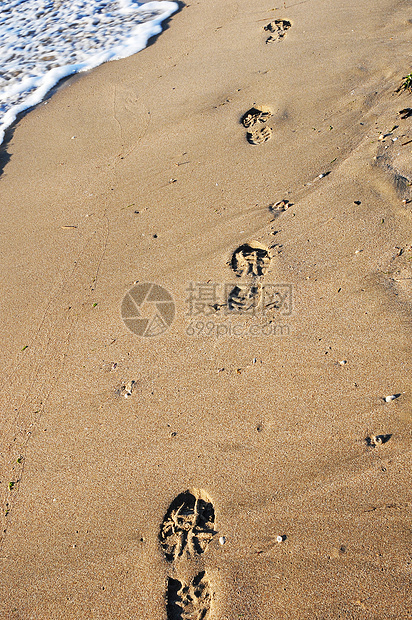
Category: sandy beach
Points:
column 248, row 455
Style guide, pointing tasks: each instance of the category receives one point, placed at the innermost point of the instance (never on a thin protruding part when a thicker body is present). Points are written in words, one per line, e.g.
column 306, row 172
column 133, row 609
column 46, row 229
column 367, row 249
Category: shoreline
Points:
column 37, row 85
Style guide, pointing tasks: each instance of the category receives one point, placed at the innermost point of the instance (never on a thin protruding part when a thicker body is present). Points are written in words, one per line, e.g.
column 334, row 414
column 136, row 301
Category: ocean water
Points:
column 44, row 41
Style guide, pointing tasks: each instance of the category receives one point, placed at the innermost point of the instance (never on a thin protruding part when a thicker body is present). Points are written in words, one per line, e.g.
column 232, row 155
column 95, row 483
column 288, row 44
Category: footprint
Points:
column 257, row 114
column 251, row 120
column 243, row 298
column 280, row 207
column 125, row 388
column 259, row 136
column 188, row 525
column 249, row 262
column 277, row 29
column 189, row 601
column 377, row 440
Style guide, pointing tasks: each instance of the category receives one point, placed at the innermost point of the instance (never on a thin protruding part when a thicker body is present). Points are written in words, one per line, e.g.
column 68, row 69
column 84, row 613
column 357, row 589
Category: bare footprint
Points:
column 277, row 29
column 190, row 601
column 188, row 525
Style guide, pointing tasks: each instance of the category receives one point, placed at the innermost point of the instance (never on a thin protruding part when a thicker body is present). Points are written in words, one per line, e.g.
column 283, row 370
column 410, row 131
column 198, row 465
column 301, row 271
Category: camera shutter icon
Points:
column 148, row 310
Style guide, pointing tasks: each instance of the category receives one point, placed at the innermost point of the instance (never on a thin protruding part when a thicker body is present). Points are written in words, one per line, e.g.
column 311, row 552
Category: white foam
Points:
column 44, row 41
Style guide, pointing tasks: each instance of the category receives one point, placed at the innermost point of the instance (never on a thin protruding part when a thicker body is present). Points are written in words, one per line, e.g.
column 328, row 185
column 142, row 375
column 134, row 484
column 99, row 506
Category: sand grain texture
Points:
column 142, row 171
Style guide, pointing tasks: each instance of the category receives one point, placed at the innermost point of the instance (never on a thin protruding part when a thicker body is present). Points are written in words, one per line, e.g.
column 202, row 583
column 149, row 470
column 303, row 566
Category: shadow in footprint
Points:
column 252, row 119
column 405, row 113
column 259, row 136
column 250, row 260
column 243, row 299
column 257, row 114
column 377, row 440
column 189, row 601
column 277, row 29
column 188, row 525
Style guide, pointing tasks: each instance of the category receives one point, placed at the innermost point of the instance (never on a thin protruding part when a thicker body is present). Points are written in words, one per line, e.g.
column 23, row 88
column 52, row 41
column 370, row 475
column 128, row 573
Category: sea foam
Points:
column 44, row 41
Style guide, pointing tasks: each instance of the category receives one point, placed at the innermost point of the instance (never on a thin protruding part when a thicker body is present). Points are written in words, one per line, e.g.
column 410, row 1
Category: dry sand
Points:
column 277, row 431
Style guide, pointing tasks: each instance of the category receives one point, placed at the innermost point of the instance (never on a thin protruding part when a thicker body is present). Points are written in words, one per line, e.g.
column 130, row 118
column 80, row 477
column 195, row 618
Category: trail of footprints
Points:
column 186, row 531
column 257, row 116
column 189, row 523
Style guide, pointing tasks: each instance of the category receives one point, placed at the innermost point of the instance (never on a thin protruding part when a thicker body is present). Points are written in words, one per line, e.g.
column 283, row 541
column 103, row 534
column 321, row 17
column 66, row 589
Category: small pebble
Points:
column 342, row 362
column 222, row 540
column 129, row 387
column 280, row 538
column 388, row 399
column 375, row 439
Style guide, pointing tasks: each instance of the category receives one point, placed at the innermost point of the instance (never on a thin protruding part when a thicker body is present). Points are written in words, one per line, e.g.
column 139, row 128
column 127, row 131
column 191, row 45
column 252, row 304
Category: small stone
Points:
column 222, row 540
column 128, row 388
column 388, row 399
